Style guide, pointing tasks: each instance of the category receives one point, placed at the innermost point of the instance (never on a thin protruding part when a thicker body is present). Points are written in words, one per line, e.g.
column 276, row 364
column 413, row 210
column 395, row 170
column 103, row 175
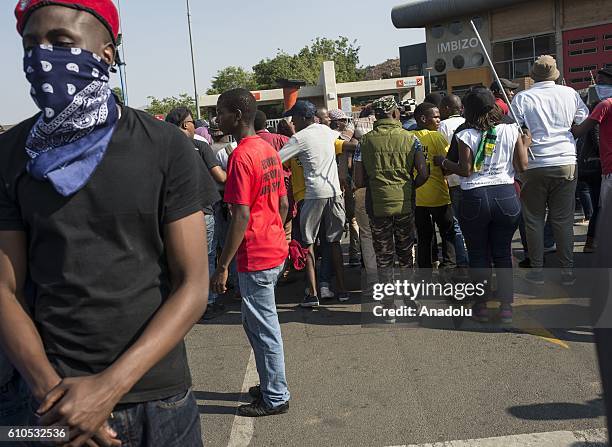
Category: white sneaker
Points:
column 326, row 292
column 551, row 249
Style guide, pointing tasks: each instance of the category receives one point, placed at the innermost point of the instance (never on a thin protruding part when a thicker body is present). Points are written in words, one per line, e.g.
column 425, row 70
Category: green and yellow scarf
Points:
column 485, row 148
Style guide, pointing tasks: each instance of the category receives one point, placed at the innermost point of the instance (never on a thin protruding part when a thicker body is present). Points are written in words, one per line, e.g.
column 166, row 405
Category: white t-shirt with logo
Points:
column 448, row 128
column 497, row 169
column 315, row 148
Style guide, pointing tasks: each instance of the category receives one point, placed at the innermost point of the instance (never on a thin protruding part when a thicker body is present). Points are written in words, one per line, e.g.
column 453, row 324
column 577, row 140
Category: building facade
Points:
column 515, row 32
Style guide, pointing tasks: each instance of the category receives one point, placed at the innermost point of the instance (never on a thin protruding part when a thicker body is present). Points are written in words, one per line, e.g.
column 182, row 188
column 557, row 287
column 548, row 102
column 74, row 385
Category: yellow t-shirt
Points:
column 435, row 191
column 297, row 179
column 338, row 146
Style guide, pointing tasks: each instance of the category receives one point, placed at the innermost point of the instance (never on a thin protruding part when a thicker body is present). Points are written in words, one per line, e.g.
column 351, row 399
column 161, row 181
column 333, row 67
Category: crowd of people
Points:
column 118, row 232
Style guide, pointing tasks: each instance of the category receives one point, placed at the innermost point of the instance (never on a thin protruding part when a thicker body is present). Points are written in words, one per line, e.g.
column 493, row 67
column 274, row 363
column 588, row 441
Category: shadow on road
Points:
column 589, row 444
column 216, row 409
column 211, row 395
column 559, row 411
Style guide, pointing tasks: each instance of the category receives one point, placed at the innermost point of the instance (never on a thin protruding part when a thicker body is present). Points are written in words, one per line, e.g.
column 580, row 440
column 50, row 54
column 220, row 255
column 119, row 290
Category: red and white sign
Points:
column 402, row 83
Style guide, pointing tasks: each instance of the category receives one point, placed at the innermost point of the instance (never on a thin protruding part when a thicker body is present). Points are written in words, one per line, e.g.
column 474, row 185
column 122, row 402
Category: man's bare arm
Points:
column 582, row 129
column 218, row 174
column 283, row 207
column 235, row 234
column 19, row 337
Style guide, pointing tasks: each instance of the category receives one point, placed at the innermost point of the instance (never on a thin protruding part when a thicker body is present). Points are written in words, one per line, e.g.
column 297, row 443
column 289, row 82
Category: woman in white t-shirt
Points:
column 489, row 155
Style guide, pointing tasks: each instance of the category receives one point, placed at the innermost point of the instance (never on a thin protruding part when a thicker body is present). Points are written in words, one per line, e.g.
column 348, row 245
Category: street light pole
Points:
column 195, row 85
column 429, row 77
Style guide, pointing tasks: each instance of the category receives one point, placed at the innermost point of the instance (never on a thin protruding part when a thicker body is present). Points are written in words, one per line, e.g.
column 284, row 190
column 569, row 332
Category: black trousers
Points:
column 442, row 216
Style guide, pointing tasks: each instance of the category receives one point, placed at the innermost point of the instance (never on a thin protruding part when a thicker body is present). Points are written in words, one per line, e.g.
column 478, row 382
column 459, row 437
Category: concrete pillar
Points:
column 328, row 81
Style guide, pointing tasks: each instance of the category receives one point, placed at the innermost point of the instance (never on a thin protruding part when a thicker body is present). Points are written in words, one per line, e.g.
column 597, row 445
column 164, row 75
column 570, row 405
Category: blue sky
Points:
column 228, row 33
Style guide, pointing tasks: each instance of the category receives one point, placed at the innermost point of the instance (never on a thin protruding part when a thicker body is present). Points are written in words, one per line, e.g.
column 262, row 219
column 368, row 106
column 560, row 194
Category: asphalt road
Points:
column 395, row 385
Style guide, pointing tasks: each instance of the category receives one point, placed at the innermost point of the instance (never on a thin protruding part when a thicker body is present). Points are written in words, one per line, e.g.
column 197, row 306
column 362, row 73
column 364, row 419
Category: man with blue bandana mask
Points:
column 101, row 211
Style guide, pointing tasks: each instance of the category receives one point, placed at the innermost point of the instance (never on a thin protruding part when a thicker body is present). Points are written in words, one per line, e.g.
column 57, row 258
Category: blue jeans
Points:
column 594, row 183
column 260, row 322
column 460, row 251
column 584, row 196
column 212, row 253
column 170, row 422
column 489, row 216
column 14, row 400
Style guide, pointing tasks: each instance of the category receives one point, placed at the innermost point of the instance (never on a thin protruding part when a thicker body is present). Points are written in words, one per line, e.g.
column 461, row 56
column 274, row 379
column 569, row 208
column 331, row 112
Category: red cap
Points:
column 104, row 10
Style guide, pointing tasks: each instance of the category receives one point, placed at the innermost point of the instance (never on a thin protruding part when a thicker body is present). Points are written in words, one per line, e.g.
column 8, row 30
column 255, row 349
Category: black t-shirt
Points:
column 97, row 258
column 209, row 161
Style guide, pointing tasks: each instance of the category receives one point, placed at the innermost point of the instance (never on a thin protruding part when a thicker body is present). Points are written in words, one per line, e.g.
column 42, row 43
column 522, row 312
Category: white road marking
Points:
column 242, row 428
column 549, row 439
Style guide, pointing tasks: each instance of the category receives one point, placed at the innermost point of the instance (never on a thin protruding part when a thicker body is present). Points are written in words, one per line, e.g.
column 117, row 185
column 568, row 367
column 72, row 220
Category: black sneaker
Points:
column 310, row 301
column 258, row 409
column 525, row 263
column 354, row 262
column 389, row 319
column 568, row 278
column 343, row 297
column 218, row 307
column 255, row 392
column 210, row 313
column 535, row 277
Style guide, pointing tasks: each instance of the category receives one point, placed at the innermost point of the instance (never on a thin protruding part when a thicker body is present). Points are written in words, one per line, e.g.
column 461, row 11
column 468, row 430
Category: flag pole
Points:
column 501, row 87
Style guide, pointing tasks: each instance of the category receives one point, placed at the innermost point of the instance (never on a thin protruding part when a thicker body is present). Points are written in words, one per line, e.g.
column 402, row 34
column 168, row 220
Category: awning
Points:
column 420, row 13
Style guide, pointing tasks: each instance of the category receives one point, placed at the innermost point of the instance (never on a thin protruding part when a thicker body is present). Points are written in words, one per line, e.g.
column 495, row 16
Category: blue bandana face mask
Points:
column 79, row 114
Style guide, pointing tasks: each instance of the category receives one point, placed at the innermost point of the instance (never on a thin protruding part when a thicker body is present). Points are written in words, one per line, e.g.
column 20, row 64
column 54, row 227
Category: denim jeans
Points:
column 170, row 422
column 212, row 253
column 260, row 322
column 460, row 250
column 584, row 197
column 594, row 183
column 14, row 399
column 489, row 216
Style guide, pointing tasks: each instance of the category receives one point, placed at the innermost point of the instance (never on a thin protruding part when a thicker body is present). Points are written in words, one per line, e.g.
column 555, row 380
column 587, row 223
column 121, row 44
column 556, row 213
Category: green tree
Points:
column 165, row 105
column 306, row 64
column 232, row 77
column 119, row 93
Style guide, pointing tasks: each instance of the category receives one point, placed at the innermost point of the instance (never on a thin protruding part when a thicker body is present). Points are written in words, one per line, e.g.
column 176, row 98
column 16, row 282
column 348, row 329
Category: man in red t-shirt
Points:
column 256, row 192
column 602, row 115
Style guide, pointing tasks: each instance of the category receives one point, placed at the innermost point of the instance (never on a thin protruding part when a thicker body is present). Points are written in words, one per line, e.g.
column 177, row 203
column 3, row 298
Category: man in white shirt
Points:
column 316, row 146
column 549, row 111
column 451, row 110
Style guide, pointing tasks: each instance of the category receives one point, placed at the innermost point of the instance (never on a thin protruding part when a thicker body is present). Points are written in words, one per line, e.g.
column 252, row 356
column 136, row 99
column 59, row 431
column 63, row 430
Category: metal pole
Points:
column 503, row 90
column 122, row 69
column 195, row 85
